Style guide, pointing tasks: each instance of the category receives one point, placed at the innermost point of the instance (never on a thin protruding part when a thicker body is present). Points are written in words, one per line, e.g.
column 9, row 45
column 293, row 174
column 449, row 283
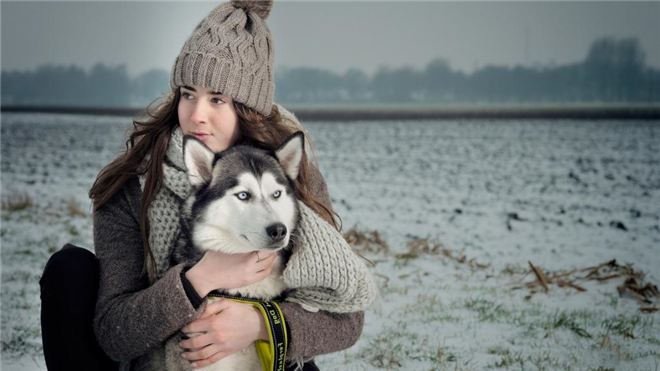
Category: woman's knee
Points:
column 71, row 265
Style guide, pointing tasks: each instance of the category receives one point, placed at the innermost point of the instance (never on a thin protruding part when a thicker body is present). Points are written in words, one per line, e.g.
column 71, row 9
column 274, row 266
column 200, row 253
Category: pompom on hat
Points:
column 231, row 52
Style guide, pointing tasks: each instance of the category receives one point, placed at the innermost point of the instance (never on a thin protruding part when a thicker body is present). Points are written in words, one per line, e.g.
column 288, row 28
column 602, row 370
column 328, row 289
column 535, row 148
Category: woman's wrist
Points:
column 195, row 299
column 197, row 280
column 262, row 334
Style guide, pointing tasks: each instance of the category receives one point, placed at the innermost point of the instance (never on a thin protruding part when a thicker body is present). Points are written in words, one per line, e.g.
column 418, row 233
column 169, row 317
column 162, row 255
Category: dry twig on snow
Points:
column 645, row 294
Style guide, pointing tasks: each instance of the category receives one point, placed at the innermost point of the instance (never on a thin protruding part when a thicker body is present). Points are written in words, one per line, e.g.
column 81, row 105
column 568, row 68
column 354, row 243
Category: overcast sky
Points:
column 334, row 35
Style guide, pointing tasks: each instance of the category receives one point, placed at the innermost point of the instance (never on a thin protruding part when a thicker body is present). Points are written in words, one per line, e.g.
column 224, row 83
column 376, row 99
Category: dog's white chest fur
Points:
column 245, row 359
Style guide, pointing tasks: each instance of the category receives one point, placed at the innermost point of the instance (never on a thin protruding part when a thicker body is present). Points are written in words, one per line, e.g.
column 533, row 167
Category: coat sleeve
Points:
column 315, row 333
column 132, row 317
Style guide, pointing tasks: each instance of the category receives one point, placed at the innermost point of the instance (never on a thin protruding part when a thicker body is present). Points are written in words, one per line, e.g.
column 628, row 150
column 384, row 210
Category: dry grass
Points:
column 432, row 246
column 74, row 209
column 632, row 286
column 366, row 241
column 16, row 201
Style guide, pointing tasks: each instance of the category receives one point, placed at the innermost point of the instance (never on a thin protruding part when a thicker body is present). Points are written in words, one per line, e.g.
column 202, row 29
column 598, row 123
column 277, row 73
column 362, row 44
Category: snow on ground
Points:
column 561, row 194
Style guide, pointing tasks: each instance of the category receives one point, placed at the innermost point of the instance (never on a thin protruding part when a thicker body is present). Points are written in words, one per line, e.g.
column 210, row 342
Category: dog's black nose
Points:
column 276, row 232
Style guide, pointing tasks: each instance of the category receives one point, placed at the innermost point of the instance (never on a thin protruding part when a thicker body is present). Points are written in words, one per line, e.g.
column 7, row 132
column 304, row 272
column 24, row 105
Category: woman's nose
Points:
column 199, row 115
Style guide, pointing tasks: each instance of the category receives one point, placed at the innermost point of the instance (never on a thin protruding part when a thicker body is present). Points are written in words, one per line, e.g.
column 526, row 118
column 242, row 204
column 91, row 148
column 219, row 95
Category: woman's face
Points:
column 209, row 116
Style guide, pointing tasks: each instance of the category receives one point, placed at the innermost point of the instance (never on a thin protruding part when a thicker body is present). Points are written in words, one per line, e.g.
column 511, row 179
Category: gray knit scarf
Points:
column 323, row 270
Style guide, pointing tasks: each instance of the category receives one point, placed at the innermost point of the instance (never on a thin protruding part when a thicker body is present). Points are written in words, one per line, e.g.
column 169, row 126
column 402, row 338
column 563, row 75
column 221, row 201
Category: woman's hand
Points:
column 225, row 327
column 220, row 271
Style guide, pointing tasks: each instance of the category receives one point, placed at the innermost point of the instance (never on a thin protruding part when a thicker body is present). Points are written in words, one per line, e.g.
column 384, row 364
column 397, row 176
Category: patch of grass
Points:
column 22, row 276
column 448, row 318
column 74, row 209
column 487, row 310
column 513, row 269
column 569, row 322
column 396, row 346
column 517, row 360
column 73, row 231
column 432, row 246
column 497, row 350
column 622, row 325
column 42, row 248
column 426, row 246
column 416, row 248
column 544, row 361
column 402, row 260
column 16, row 201
column 392, row 290
column 19, row 341
column 633, row 285
column 613, row 300
column 427, row 308
column 607, row 343
column 508, row 360
column 366, row 241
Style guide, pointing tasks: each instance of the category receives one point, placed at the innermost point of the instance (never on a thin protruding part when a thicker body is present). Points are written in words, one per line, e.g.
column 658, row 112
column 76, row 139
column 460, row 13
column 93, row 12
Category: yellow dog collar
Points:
column 272, row 353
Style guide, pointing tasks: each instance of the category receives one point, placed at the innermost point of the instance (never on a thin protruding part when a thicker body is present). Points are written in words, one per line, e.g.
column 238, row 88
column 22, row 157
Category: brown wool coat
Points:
column 133, row 317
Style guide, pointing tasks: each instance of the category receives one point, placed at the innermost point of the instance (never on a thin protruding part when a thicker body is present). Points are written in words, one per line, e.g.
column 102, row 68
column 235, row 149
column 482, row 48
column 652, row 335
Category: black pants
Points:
column 69, row 287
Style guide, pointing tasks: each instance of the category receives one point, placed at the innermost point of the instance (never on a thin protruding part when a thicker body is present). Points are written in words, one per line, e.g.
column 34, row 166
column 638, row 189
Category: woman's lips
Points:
column 200, row 136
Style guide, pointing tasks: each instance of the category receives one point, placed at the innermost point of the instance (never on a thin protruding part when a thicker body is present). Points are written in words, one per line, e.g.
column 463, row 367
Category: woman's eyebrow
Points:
column 212, row 93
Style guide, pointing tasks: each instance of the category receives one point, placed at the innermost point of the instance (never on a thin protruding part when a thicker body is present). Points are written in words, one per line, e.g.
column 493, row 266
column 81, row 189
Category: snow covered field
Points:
column 493, row 196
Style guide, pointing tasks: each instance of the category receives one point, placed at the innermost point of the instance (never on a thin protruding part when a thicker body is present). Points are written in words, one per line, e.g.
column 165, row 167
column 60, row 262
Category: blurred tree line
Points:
column 613, row 71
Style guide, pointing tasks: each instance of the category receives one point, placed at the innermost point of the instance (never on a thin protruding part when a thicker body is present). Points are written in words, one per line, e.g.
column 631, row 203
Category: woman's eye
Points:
column 185, row 95
column 217, row 100
column 277, row 194
column 243, row 196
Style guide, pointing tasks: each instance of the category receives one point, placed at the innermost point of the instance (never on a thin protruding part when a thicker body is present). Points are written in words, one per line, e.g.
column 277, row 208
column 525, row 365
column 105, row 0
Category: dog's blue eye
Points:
column 277, row 194
column 243, row 196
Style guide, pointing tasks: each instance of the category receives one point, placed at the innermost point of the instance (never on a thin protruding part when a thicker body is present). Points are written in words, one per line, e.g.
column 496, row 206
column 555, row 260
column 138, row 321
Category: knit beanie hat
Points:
column 231, row 52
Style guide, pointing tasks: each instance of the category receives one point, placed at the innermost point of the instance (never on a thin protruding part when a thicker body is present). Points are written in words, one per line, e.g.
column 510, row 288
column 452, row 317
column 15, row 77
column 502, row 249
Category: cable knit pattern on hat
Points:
column 231, row 52
column 323, row 270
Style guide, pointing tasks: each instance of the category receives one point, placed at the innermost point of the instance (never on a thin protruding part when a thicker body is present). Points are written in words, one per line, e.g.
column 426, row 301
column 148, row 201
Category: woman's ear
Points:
column 290, row 154
column 198, row 159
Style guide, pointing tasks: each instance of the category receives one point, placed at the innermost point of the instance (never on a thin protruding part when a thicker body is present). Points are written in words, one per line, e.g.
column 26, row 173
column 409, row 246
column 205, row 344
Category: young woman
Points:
column 222, row 90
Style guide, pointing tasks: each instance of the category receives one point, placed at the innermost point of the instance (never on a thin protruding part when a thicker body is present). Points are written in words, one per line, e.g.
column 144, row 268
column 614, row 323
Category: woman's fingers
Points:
column 265, row 261
column 203, row 323
column 209, row 361
column 262, row 256
column 233, row 326
column 200, row 355
column 263, row 273
column 198, row 325
column 215, row 308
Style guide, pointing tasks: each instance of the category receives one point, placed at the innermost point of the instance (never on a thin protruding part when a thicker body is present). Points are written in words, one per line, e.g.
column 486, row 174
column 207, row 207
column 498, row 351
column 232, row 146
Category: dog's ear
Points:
column 290, row 154
column 198, row 159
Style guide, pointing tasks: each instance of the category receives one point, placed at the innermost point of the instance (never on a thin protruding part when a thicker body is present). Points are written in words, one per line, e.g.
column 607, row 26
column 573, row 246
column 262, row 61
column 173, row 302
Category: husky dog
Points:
column 242, row 200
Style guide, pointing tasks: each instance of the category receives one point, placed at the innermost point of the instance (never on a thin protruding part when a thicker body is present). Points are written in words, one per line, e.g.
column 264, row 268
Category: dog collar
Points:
column 272, row 353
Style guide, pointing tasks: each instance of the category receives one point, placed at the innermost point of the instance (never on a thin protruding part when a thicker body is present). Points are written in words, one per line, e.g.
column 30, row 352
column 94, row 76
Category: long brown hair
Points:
column 151, row 137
